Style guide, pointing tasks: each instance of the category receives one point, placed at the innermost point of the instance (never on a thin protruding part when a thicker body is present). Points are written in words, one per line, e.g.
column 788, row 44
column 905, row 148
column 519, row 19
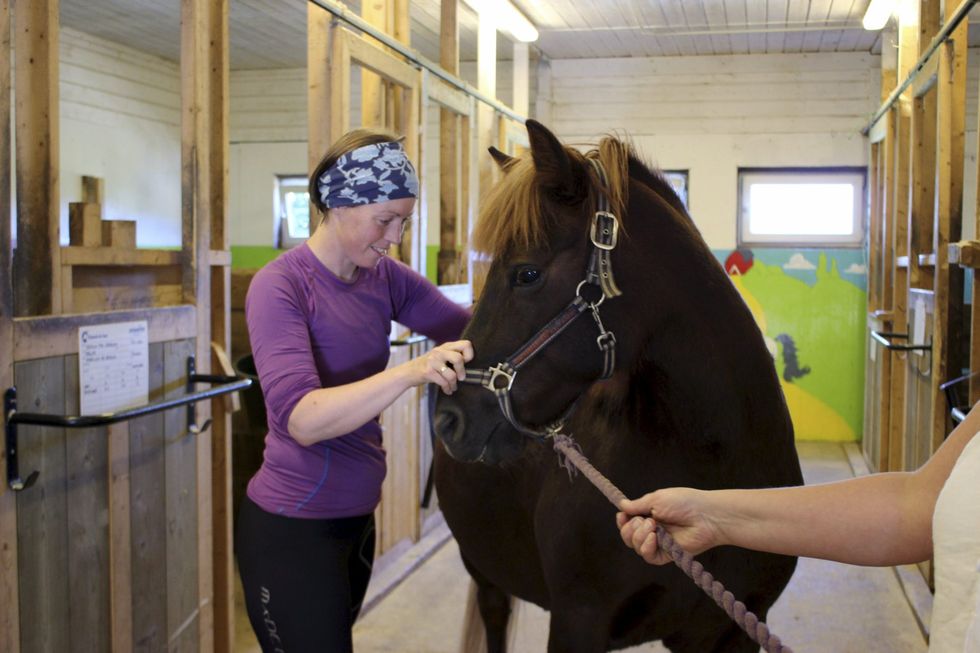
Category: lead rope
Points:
column 745, row 618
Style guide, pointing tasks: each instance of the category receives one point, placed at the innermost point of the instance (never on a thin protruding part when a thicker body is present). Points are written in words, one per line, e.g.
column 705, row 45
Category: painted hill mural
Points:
column 810, row 305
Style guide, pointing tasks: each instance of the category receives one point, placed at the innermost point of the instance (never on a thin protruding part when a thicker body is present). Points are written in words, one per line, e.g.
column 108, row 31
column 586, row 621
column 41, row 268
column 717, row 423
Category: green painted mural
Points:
column 810, row 307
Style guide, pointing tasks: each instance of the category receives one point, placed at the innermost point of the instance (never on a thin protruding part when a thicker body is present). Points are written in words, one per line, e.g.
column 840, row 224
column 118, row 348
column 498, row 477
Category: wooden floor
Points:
column 827, row 606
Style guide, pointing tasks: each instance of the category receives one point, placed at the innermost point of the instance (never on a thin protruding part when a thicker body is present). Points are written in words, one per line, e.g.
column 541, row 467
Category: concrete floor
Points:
column 826, row 607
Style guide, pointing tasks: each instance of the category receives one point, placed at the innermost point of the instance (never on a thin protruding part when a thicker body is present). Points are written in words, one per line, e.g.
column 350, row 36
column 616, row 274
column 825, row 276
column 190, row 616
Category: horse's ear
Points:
column 556, row 171
column 503, row 160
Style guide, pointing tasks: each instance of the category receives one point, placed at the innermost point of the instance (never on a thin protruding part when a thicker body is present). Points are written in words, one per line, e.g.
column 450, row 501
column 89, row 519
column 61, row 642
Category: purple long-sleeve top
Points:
column 311, row 330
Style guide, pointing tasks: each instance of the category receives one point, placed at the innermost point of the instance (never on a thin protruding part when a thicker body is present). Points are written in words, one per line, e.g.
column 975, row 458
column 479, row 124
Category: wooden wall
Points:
column 70, row 529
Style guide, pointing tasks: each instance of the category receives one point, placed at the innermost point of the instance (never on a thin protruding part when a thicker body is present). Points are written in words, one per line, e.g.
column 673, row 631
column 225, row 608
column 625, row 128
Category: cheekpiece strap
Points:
column 604, row 234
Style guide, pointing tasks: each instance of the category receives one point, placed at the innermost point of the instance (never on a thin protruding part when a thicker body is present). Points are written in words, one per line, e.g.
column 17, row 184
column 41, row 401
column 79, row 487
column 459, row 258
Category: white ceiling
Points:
column 272, row 33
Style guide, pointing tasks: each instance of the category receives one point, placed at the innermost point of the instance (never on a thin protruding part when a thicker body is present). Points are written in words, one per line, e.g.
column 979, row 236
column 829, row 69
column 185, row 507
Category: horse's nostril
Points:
column 449, row 423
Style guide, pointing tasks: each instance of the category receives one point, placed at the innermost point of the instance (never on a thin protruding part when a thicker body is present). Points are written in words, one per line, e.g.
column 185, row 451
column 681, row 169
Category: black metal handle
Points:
column 957, row 411
column 410, row 340
column 883, row 338
column 13, row 417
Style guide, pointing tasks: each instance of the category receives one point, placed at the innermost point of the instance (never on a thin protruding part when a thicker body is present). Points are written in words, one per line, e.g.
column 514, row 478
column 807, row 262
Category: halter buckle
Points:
column 606, row 340
column 604, row 232
column 501, row 370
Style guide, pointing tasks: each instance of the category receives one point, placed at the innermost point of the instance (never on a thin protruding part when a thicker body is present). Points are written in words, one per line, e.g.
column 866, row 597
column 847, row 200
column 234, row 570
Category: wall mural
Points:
column 810, row 307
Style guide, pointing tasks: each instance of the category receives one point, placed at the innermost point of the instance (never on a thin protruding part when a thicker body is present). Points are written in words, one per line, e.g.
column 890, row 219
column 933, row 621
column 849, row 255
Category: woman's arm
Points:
column 880, row 519
column 331, row 412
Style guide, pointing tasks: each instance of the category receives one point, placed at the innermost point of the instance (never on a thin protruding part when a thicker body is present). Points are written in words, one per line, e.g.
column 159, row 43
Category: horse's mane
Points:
column 511, row 216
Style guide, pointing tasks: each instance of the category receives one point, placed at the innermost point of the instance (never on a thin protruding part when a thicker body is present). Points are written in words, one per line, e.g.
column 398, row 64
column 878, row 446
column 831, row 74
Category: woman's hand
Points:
column 443, row 365
column 682, row 511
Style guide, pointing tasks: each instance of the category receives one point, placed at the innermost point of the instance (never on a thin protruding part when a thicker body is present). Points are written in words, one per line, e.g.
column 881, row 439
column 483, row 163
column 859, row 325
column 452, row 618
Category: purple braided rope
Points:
column 745, row 618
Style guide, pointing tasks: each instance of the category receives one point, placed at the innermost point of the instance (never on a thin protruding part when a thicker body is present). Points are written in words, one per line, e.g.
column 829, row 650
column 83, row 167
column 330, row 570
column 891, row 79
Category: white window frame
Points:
column 850, row 175
column 286, row 184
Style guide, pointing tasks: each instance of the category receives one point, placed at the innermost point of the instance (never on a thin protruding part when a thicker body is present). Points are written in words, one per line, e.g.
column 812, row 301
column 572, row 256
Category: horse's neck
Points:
column 708, row 371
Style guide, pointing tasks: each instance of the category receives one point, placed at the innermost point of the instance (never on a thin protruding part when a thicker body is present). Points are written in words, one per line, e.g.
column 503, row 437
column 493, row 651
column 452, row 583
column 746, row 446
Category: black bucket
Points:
column 248, row 441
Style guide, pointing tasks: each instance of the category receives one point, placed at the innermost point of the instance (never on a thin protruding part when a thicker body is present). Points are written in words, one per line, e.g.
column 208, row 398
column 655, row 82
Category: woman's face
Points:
column 365, row 232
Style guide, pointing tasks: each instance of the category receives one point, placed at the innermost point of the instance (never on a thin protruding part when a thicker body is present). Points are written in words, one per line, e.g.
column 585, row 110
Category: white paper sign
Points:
column 113, row 367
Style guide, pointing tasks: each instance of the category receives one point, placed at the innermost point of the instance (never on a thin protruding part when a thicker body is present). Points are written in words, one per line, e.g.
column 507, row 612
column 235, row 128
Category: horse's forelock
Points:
column 511, row 216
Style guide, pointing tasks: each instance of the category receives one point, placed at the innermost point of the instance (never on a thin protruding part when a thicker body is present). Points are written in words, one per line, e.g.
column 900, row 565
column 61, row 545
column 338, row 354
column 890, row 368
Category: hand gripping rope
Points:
column 569, row 454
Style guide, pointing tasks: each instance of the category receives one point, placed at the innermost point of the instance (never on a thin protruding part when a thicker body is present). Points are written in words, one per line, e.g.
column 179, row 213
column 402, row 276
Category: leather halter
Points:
column 499, row 379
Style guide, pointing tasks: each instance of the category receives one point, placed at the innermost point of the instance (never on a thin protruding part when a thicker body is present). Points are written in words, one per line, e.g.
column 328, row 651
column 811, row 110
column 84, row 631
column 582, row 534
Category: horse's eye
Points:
column 526, row 276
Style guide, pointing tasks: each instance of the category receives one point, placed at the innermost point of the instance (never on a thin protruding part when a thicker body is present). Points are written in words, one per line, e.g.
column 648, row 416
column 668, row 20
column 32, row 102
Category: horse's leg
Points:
column 578, row 630
column 494, row 605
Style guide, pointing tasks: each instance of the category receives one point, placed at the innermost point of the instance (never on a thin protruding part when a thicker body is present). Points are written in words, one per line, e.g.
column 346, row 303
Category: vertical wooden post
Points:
column 9, row 597
column 197, row 78
column 948, row 220
column 373, row 112
column 317, row 84
column 220, row 299
column 486, row 122
column 36, row 82
column 449, row 136
column 338, row 75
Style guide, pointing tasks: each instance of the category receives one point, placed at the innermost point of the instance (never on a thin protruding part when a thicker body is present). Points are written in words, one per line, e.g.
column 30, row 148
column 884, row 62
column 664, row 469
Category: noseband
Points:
column 499, row 379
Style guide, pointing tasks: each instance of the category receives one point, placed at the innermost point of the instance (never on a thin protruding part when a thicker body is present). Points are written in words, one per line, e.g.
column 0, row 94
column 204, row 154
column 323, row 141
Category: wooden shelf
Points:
column 73, row 255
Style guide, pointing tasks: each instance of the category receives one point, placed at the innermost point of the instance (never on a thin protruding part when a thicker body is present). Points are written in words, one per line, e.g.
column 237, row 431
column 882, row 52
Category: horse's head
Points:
column 546, row 226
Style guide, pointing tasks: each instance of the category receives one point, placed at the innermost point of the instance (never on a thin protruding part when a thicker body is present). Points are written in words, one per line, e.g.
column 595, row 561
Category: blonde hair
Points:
column 511, row 216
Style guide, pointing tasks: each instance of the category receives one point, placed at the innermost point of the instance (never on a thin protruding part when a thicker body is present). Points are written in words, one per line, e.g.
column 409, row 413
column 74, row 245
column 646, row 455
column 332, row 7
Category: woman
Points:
column 881, row 519
column 319, row 317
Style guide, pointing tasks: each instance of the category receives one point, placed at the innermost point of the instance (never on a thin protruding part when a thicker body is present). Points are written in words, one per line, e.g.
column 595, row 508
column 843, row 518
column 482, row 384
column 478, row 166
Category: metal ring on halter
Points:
column 578, row 290
column 498, row 371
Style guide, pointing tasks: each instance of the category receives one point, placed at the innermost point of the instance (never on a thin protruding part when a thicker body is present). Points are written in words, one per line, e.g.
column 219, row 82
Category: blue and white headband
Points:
column 368, row 175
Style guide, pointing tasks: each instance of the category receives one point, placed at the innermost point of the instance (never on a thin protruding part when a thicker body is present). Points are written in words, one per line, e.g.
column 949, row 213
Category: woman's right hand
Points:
column 682, row 511
column 442, row 365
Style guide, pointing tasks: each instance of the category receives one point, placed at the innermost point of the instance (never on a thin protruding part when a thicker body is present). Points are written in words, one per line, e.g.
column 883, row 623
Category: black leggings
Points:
column 304, row 579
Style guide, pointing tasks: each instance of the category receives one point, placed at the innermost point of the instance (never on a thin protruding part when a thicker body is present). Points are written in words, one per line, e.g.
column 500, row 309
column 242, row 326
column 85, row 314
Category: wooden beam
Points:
column 9, row 596
column 37, row 111
column 198, row 77
column 339, row 80
column 367, row 55
column 375, row 12
column 318, row 84
column 219, row 273
column 948, row 221
column 448, row 261
column 93, row 189
column 57, row 335
column 965, row 253
column 899, row 220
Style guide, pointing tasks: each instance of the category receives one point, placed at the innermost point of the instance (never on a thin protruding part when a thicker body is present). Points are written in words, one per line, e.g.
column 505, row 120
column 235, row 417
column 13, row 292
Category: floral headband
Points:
column 368, row 175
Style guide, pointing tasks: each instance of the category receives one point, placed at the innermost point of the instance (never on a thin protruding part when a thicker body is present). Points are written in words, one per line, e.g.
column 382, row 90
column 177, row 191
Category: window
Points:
column 812, row 206
column 678, row 181
column 293, row 209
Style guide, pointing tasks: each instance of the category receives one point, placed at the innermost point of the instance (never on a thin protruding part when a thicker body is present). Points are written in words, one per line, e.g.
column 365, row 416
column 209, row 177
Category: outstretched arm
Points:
column 879, row 519
column 331, row 412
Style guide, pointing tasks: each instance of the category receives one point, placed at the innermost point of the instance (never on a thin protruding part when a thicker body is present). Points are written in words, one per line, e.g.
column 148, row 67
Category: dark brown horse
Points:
column 694, row 400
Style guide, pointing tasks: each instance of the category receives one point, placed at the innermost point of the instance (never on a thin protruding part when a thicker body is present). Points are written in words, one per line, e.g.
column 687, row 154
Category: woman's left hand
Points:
column 443, row 365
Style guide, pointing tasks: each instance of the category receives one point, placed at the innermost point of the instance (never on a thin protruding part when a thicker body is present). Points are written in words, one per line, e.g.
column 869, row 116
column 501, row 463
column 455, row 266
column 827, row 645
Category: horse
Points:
column 666, row 381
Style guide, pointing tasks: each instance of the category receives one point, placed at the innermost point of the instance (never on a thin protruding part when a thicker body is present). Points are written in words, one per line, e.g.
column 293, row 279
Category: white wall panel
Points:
column 712, row 115
column 120, row 120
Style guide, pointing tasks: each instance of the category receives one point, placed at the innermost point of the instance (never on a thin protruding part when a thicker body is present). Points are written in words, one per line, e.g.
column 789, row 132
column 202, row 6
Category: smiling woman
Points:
column 318, row 319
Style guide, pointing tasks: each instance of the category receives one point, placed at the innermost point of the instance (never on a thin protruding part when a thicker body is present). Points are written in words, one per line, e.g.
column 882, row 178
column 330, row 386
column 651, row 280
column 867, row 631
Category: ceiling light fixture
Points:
column 877, row 14
column 506, row 17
